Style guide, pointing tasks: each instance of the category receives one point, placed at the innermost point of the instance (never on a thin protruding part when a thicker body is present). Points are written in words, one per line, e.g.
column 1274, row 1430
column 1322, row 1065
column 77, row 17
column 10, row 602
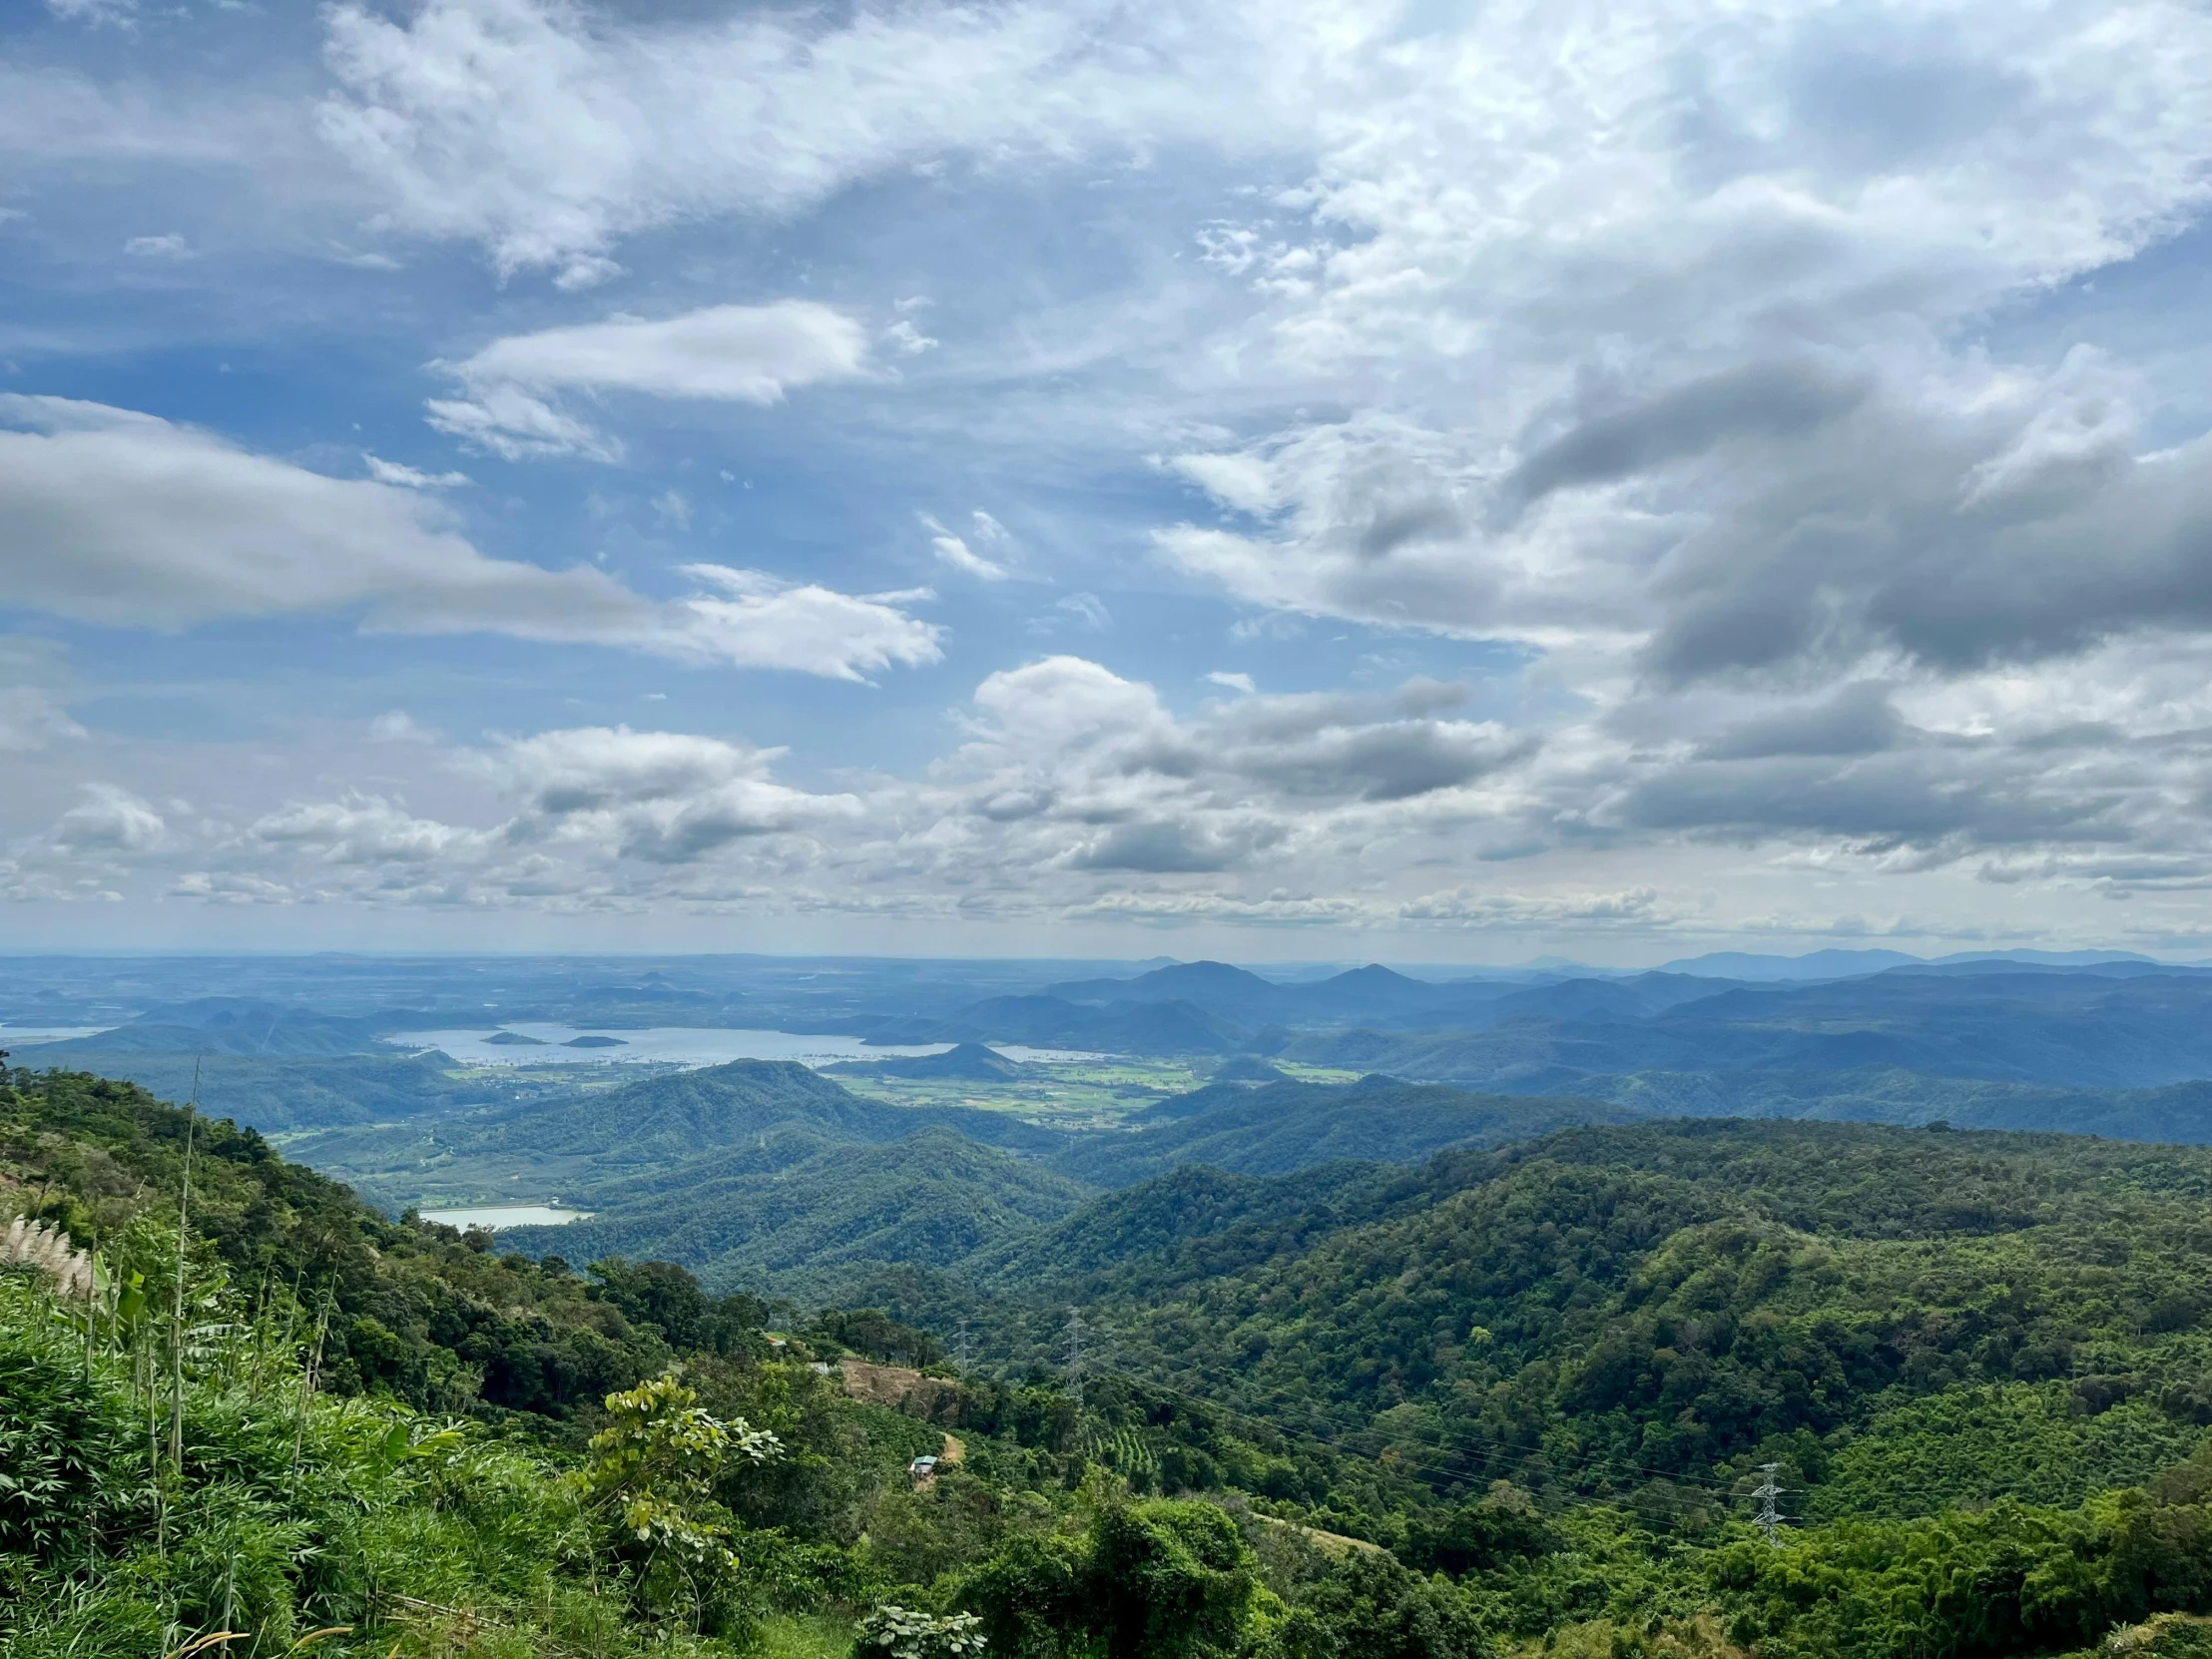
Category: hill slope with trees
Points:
column 1507, row 1399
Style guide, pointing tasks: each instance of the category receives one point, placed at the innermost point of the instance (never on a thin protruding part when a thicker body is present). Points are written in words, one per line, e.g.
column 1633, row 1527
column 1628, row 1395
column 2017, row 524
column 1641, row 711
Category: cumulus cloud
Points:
column 724, row 354
column 110, row 819
column 1477, row 909
column 597, row 816
column 547, row 134
column 1702, row 367
column 1777, row 461
column 128, row 520
column 663, row 797
column 359, row 829
column 1095, row 773
column 768, row 622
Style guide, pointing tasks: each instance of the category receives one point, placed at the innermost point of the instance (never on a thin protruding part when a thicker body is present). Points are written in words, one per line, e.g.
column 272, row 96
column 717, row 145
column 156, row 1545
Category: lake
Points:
column 506, row 1215
column 684, row 1045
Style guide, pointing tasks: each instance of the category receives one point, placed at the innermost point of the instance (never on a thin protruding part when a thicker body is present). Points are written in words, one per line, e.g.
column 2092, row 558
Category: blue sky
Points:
column 1280, row 479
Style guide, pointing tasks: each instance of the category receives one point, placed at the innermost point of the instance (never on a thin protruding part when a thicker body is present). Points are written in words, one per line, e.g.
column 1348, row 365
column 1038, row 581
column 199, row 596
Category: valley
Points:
column 1511, row 1316
column 1520, row 1392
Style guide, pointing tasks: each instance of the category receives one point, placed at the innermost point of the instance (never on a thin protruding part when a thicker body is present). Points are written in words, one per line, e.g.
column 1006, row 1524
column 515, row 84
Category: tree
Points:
column 653, row 1470
column 1157, row 1580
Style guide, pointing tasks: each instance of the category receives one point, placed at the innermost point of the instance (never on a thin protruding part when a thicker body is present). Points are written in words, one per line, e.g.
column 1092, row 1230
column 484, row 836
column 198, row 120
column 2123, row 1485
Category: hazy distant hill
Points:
column 963, row 1060
column 2177, row 1113
column 664, row 1120
column 282, row 1093
column 1289, row 1126
column 2080, row 1030
column 1248, row 1068
column 1054, row 1022
column 1232, row 993
column 227, row 1025
column 1841, row 964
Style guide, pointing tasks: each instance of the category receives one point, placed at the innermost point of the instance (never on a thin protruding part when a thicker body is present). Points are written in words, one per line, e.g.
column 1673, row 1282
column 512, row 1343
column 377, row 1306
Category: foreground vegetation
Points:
column 1510, row 1401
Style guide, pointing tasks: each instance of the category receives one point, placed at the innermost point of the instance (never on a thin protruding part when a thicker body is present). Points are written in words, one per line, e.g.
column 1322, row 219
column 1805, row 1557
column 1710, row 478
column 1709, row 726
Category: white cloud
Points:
column 1516, row 912
column 1084, row 612
column 397, row 726
column 1092, row 772
column 909, row 341
column 33, row 718
column 1606, row 349
column 407, row 477
column 117, row 13
column 170, row 246
column 127, row 520
column 766, row 622
column 725, row 353
column 547, row 134
column 514, row 425
column 662, row 797
column 954, row 550
column 362, row 829
column 110, row 819
column 1712, row 365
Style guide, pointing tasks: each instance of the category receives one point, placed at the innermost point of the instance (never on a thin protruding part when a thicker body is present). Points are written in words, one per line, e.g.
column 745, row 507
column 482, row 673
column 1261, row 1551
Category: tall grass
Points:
column 169, row 1476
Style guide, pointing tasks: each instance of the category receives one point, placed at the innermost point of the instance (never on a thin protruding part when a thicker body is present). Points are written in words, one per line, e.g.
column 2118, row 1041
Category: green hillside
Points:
column 1192, row 1223
column 286, row 1093
column 738, row 1219
column 1506, row 1402
column 663, row 1119
column 1287, row 1126
column 1665, row 1306
column 582, row 1140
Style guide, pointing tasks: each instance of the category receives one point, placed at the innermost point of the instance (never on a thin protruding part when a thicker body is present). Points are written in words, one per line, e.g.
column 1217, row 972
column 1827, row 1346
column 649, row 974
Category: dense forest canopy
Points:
column 1523, row 1396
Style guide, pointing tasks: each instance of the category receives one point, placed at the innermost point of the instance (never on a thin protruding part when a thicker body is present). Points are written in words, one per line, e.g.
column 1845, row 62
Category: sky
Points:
column 1285, row 480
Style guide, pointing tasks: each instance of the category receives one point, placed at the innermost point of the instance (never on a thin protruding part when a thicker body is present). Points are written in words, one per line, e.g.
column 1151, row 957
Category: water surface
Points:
column 506, row 1215
column 682, row 1044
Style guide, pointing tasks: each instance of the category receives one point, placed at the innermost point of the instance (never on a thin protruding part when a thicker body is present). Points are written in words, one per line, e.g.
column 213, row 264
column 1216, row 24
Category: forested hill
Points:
column 1287, row 1126
column 692, row 1112
column 1903, row 1318
column 1508, row 1400
column 794, row 1203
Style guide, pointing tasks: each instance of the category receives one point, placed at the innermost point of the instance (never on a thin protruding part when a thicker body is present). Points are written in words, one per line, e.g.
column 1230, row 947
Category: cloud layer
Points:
column 1535, row 467
column 128, row 520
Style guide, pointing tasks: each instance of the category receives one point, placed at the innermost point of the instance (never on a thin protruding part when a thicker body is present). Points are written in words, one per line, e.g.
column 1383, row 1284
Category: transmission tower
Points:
column 1072, row 1368
column 960, row 1348
column 1769, row 1517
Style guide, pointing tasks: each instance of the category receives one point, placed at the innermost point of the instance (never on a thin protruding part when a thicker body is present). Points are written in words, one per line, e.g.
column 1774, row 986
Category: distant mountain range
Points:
column 2073, row 1028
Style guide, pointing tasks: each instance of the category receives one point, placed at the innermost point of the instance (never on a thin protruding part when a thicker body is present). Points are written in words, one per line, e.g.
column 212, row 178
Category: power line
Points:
column 1072, row 1368
column 1503, row 1457
column 1404, row 1464
column 1769, row 1517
